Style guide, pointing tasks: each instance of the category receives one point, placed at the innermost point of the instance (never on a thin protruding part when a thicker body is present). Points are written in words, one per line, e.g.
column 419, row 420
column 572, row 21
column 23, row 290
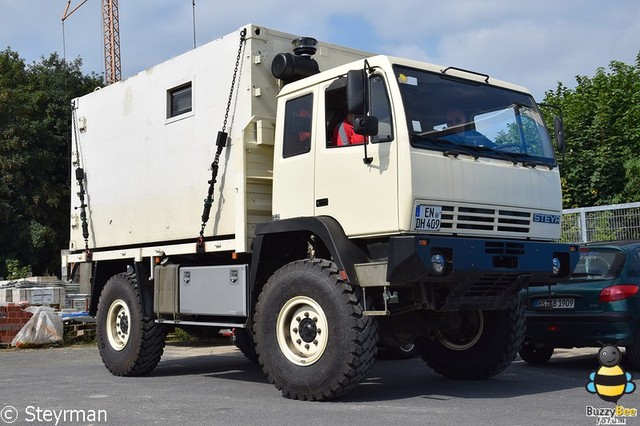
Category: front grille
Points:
column 461, row 218
column 491, row 285
column 504, row 248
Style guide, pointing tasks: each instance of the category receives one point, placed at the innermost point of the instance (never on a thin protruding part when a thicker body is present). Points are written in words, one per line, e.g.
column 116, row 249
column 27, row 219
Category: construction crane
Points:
column 111, row 27
column 111, row 32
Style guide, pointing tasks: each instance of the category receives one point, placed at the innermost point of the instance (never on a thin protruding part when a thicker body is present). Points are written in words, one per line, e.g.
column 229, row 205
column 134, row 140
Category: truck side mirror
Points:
column 559, row 131
column 357, row 98
column 356, row 92
column 367, row 126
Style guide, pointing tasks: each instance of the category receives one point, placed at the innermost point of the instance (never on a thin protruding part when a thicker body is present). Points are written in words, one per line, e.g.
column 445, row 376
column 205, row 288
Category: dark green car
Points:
column 599, row 305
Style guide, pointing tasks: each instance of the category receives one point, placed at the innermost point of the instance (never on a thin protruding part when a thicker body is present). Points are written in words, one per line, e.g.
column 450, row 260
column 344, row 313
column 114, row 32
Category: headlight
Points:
column 437, row 263
column 555, row 266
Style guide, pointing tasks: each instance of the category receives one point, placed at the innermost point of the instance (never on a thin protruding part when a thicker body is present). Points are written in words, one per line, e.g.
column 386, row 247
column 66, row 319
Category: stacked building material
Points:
column 12, row 319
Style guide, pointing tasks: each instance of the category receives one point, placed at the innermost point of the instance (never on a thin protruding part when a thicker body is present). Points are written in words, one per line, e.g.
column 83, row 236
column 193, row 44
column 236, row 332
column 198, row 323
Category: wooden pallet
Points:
column 74, row 330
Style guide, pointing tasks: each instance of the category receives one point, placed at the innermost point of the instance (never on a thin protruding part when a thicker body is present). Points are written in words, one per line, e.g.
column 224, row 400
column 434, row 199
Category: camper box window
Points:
column 179, row 100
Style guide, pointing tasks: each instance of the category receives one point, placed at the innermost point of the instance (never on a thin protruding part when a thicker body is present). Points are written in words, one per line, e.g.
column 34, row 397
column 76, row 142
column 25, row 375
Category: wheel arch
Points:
column 280, row 242
column 103, row 270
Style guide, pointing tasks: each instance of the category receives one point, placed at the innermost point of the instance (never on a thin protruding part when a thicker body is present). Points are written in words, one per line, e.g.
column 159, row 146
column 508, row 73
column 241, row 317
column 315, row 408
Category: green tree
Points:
column 602, row 130
column 35, row 135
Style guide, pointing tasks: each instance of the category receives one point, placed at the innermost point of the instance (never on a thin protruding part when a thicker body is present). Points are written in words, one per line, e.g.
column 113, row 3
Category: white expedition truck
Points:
column 315, row 253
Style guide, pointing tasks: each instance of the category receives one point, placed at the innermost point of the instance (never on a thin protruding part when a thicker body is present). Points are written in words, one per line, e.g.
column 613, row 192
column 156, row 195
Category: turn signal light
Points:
column 617, row 292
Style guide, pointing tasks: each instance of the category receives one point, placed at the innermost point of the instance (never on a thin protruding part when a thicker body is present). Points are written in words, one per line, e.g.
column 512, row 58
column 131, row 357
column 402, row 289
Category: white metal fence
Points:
column 603, row 223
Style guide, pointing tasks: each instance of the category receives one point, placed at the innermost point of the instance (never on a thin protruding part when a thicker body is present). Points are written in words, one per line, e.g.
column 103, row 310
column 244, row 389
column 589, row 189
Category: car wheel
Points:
column 633, row 353
column 535, row 355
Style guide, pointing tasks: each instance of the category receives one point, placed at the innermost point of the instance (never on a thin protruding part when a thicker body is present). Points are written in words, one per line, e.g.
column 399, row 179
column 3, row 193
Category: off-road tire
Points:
column 535, row 355
column 497, row 346
column 310, row 294
column 129, row 343
column 243, row 341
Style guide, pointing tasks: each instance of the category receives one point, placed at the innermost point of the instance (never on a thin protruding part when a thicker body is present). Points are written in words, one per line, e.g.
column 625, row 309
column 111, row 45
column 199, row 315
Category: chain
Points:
column 243, row 34
column 221, row 142
column 80, row 177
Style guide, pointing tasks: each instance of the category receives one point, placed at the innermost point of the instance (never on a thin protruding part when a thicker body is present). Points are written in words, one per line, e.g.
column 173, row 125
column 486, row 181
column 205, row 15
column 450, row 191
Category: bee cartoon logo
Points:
column 610, row 381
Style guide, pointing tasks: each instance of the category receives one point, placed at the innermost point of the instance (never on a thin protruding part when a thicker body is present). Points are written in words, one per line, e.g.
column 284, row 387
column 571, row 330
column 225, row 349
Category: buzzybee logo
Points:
column 610, row 382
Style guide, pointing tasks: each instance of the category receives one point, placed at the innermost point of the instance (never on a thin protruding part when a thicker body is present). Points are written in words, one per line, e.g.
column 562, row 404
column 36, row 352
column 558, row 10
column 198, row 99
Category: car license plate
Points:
column 427, row 218
column 554, row 303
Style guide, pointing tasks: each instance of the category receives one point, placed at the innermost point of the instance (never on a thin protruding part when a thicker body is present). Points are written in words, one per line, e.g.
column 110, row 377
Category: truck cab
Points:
column 455, row 156
column 491, row 174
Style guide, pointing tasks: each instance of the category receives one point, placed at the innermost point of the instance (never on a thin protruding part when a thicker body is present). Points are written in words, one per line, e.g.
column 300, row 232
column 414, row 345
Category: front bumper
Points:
column 478, row 273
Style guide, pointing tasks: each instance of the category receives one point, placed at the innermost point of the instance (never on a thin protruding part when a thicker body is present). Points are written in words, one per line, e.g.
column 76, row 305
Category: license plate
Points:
column 427, row 218
column 554, row 303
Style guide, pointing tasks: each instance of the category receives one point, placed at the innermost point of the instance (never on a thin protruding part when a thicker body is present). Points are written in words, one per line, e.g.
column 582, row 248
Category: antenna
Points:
column 194, row 23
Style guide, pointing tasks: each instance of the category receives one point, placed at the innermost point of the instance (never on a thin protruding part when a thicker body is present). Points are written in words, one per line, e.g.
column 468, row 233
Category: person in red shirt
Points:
column 344, row 135
column 304, row 125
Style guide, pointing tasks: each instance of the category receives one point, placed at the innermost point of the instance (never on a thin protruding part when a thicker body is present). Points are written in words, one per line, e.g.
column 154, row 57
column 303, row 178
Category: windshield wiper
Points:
column 455, row 150
column 516, row 157
column 504, row 155
column 534, row 163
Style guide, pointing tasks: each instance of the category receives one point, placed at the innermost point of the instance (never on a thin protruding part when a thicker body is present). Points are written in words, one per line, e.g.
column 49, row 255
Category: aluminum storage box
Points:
column 214, row 290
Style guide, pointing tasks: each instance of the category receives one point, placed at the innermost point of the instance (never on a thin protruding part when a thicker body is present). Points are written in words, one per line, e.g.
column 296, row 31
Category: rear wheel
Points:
column 311, row 337
column 475, row 344
column 243, row 341
column 129, row 343
column 405, row 351
column 535, row 355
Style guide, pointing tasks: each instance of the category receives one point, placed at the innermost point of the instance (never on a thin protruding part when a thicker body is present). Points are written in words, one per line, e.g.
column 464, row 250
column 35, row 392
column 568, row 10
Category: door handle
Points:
column 322, row 202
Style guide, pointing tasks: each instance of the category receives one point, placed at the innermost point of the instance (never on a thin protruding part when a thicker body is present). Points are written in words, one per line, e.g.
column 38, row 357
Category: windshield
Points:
column 454, row 115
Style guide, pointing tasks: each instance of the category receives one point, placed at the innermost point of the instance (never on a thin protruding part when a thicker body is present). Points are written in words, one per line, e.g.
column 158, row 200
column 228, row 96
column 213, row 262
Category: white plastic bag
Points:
column 43, row 328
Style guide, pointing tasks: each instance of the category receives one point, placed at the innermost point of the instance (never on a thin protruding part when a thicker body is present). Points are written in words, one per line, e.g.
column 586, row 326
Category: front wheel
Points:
column 311, row 337
column 475, row 344
column 129, row 343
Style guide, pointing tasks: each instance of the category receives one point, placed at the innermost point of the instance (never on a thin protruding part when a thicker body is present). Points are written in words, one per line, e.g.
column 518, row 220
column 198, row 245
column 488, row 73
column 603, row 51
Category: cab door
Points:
column 362, row 197
column 294, row 164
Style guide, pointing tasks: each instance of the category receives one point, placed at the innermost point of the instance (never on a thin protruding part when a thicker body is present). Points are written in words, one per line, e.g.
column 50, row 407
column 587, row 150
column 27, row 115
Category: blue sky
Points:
column 534, row 44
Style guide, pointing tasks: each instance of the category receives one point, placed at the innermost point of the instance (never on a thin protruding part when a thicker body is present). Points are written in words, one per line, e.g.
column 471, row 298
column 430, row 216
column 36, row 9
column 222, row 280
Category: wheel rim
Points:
column 407, row 347
column 302, row 331
column 118, row 324
column 467, row 335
